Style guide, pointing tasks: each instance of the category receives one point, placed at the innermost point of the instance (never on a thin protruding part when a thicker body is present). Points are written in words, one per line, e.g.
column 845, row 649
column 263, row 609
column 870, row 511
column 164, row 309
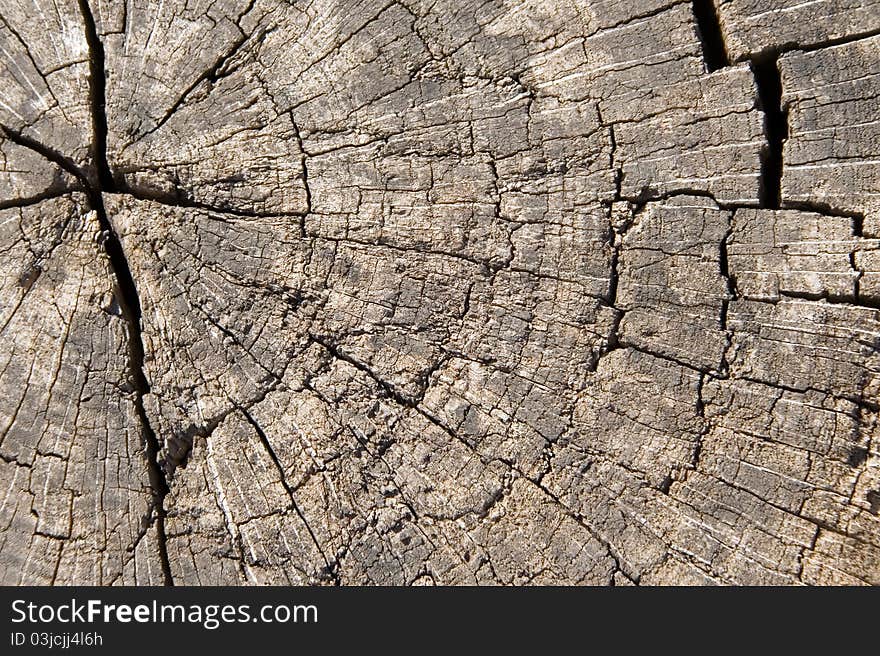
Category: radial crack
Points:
column 127, row 294
column 97, row 99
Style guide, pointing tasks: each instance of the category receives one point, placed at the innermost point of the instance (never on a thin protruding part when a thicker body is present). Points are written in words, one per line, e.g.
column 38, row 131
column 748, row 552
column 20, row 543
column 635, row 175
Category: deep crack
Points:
column 126, row 288
column 507, row 397
column 97, row 99
column 710, row 34
column 769, row 84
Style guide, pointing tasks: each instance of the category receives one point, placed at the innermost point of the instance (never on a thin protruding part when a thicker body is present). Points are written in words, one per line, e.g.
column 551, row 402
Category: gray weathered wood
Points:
column 439, row 292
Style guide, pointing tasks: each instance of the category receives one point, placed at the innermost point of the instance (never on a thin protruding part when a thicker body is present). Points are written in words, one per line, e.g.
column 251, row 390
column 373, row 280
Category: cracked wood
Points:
column 410, row 292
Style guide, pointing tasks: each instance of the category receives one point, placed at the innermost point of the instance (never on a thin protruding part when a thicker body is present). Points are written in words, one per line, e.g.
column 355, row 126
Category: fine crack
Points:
column 216, row 71
column 330, row 568
column 305, row 172
column 857, row 219
column 822, row 44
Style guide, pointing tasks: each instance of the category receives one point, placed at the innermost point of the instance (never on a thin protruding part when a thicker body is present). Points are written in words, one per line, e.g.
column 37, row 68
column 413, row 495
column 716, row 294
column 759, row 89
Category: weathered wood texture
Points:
column 439, row 292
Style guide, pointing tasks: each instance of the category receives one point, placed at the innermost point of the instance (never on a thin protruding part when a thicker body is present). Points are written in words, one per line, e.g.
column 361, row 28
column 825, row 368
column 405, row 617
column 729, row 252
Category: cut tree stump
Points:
column 554, row 292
